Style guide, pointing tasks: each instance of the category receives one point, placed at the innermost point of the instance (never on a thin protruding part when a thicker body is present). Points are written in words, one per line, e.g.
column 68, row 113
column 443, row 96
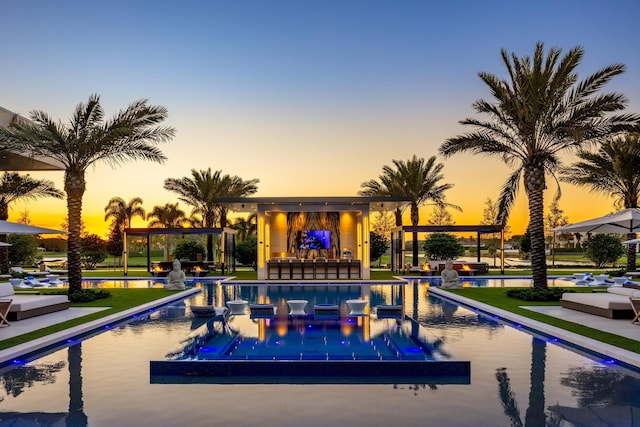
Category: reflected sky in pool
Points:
column 515, row 377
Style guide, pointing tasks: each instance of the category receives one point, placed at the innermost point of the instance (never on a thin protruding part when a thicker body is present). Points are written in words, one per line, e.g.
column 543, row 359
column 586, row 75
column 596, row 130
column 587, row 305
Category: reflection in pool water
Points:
column 516, row 378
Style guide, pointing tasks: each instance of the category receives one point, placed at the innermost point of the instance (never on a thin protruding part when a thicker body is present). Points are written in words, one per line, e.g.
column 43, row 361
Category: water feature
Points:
column 517, row 377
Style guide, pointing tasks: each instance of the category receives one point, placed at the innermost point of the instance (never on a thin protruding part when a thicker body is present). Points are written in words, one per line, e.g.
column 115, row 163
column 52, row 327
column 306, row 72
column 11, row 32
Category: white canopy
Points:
column 623, row 222
column 7, row 227
column 631, row 242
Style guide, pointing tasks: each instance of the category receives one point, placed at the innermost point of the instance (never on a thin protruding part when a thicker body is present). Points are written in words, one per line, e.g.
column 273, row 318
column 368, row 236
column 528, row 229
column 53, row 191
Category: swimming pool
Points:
column 515, row 376
column 478, row 281
column 312, row 346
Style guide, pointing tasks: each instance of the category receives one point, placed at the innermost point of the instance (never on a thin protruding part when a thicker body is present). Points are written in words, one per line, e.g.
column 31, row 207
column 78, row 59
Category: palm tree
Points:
column 387, row 186
column 416, row 179
column 88, row 138
column 539, row 113
column 202, row 191
column 167, row 216
column 123, row 212
column 14, row 187
column 246, row 226
column 238, row 188
column 614, row 169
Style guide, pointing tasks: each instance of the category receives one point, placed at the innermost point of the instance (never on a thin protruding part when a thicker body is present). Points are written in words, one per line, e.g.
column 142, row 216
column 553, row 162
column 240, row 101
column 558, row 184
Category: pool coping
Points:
column 20, row 350
column 605, row 349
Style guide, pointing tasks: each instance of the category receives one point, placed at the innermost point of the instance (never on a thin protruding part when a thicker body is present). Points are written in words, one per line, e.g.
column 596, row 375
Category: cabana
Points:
column 313, row 237
column 228, row 246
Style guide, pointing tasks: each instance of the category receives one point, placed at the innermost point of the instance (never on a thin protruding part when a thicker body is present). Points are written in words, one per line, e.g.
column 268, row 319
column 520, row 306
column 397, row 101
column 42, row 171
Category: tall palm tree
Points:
column 89, row 138
column 614, row 169
column 203, row 189
column 246, row 226
column 167, row 216
column 540, row 112
column 388, row 185
column 14, row 187
column 416, row 179
column 122, row 213
column 237, row 188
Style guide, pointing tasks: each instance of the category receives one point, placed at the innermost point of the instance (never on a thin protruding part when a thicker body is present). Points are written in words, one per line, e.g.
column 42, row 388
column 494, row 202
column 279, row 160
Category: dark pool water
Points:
column 516, row 378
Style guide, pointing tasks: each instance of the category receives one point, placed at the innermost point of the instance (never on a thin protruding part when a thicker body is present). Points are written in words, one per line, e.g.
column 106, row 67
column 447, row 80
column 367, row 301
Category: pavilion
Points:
column 313, row 237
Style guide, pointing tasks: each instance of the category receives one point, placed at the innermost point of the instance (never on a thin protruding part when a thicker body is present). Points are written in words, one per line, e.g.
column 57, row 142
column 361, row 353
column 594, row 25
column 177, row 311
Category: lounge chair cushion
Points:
column 6, row 290
column 24, row 306
column 624, row 291
column 608, row 301
column 29, row 302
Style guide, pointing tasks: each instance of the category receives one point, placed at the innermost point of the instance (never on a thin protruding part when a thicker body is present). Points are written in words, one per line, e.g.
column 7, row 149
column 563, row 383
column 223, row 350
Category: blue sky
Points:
column 311, row 97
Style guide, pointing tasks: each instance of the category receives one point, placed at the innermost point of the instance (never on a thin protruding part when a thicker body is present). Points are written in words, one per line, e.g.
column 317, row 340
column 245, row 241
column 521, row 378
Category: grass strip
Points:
column 120, row 300
column 496, row 297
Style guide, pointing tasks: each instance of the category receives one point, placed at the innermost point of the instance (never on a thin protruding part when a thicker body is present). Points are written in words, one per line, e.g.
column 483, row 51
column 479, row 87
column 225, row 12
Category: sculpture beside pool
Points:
column 176, row 277
column 450, row 277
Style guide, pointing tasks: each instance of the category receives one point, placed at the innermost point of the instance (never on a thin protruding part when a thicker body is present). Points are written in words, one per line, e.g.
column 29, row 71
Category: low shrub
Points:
column 617, row 273
column 85, row 295
column 536, row 294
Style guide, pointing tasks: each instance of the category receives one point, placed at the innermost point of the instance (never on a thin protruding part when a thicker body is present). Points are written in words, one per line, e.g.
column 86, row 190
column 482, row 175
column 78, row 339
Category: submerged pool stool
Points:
column 357, row 306
column 237, row 306
column 297, row 307
column 262, row 310
column 326, row 310
column 385, row 311
column 209, row 311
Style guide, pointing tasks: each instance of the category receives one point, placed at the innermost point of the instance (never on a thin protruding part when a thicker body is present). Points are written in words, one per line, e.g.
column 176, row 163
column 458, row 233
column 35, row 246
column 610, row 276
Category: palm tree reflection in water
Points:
column 535, row 415
column 76, row 416
column 16, row 380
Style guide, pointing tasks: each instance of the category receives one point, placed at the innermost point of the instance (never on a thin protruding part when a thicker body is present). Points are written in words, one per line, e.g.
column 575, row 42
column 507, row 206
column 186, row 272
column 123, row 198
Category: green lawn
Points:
column 120, row 300
column 496, row 297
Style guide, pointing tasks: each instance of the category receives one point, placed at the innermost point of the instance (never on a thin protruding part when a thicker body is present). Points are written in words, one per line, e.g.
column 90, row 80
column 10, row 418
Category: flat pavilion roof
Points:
column 14, row 161
column 481, row 228
column 250, row 204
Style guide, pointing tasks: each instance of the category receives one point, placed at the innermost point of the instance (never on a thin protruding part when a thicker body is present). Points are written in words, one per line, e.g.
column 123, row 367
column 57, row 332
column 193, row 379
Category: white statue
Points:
column 176, row 277
column 449, row 276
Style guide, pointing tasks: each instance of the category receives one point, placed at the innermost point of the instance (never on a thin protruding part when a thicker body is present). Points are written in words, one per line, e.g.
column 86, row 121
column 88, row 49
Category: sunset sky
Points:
column 310, row 97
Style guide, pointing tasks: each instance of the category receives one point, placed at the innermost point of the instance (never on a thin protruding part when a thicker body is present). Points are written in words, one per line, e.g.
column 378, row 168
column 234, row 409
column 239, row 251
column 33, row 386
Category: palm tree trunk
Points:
column 631, row 253
column 209, row 247
column 535, row 416
column 398, row 215
column 74, row 186
column 76, row 416
column 223, row 217
column 4, row 251
column 534, row 181
column 415, row 218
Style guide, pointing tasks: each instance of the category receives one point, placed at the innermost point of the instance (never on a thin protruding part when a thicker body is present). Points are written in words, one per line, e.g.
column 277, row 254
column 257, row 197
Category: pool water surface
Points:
column 516, row 378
